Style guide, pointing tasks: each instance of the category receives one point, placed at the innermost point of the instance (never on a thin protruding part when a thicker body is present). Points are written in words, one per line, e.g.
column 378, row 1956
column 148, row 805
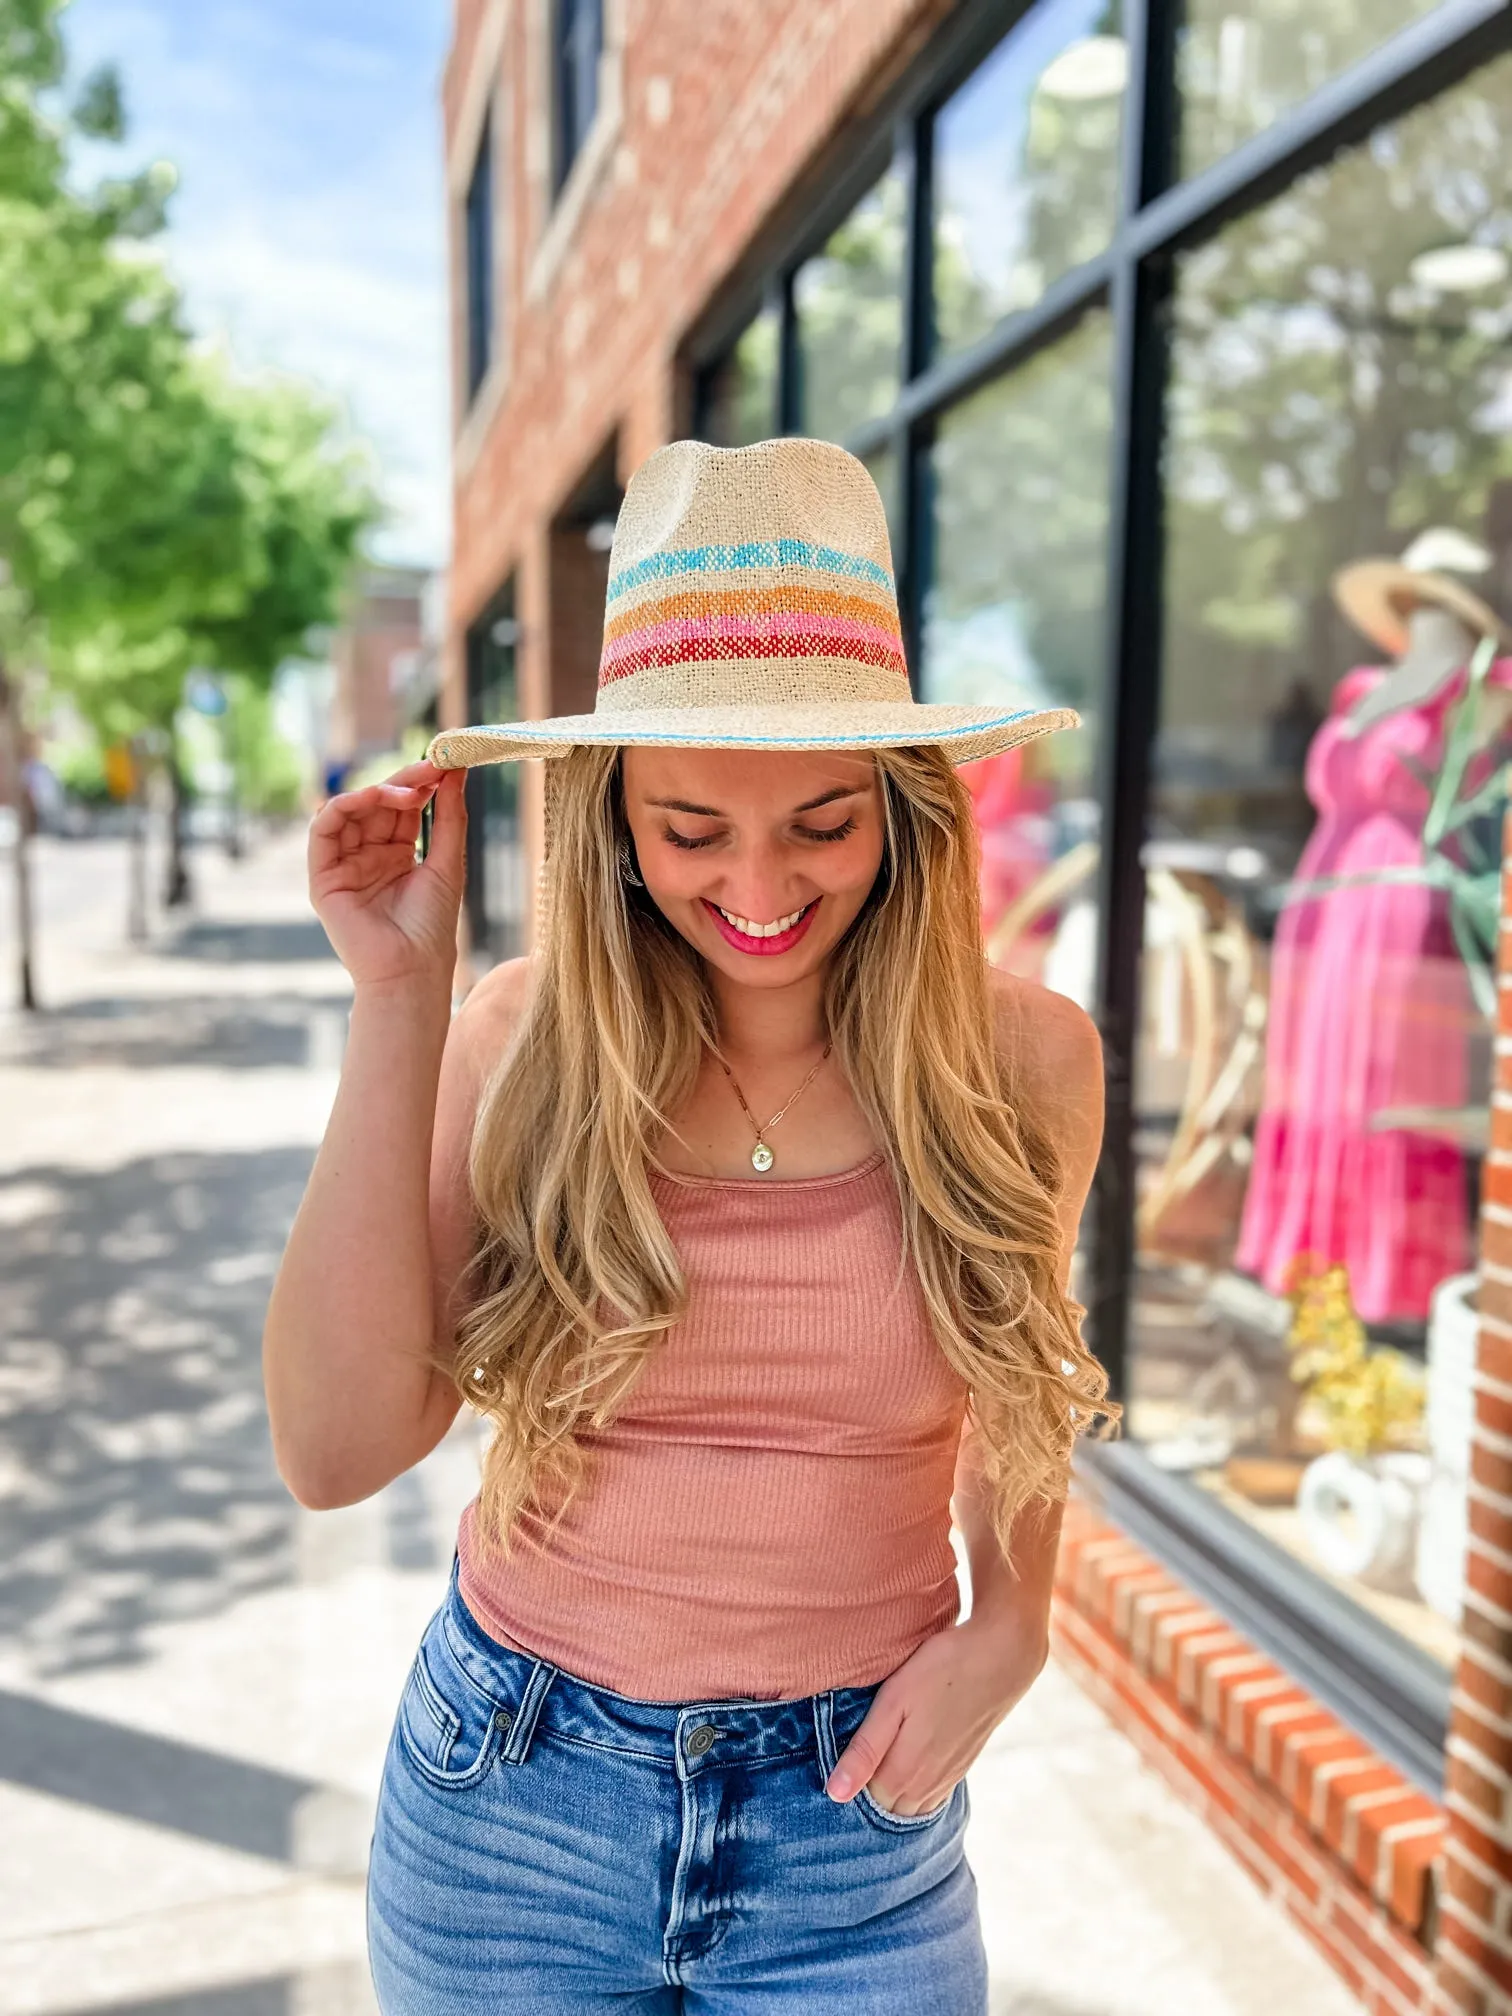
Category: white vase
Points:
column 1442, row 1536
column 1359, row 1514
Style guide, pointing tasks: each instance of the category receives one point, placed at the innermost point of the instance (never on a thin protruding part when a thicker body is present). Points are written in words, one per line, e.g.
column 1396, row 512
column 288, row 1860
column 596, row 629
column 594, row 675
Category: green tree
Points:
column 1326, row 406
column 156, row 515
column 283, row 506
column 67, row 296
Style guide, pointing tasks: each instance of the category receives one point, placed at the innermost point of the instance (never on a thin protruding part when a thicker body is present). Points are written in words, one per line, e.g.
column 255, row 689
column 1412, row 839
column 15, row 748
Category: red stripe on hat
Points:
column 716, row 650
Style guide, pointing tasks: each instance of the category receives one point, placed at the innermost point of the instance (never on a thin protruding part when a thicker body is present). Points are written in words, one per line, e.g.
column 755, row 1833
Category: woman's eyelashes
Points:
column 804, row 832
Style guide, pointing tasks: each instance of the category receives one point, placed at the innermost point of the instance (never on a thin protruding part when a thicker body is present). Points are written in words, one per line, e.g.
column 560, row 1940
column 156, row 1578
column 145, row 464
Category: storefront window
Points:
column 1241, row 68
column 495, row 845
column 1026, row 165
column 849, row 304
column 1015, row 607
column 740, row 393
column 1312, row 1074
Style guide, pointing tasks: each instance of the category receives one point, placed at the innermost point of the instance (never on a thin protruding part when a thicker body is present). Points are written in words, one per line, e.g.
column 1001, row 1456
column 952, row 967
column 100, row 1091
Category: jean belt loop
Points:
column 517, row 1743
column 824, row 1729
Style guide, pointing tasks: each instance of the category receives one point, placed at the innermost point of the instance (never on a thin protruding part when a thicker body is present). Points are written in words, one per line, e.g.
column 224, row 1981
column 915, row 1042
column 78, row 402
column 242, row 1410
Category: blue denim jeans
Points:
column 548, row 1846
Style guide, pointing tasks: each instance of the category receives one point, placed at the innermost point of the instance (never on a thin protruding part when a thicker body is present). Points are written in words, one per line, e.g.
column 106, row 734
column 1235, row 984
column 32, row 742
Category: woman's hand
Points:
column 930, row 1719
column 391, row 918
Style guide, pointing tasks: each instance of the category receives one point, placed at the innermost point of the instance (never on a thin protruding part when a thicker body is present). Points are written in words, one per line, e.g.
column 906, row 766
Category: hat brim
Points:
column 1378, row 596
column 966, row 733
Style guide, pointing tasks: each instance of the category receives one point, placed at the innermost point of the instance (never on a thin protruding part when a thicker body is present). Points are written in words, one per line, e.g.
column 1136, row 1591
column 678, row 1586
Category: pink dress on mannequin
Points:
column 1370, row 1009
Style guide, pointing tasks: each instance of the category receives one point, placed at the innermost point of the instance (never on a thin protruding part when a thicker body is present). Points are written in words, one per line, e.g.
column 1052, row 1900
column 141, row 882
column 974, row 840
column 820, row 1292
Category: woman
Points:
column 691, row 1730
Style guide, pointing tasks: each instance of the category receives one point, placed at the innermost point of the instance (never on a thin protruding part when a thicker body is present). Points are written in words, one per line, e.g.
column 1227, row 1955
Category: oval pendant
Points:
column 762, row 1157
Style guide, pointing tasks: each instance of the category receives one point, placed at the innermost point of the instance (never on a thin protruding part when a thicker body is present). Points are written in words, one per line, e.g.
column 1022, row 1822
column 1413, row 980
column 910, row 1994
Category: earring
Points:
column 627, row 867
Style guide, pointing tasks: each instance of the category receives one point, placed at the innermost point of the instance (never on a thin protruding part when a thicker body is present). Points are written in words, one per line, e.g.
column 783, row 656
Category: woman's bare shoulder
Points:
column 484, row 1025
column 1055, row 1053
column 1048, row 1031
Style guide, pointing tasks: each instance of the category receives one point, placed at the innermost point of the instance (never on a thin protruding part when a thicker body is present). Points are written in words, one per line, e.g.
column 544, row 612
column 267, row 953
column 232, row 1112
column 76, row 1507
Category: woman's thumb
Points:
column 447, row 851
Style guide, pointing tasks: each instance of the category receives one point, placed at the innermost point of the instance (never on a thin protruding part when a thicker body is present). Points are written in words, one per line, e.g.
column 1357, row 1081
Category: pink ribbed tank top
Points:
column 769, row 1514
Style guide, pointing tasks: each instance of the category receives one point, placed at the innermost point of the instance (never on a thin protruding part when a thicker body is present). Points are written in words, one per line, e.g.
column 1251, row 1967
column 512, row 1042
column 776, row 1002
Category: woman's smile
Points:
column 762, row 940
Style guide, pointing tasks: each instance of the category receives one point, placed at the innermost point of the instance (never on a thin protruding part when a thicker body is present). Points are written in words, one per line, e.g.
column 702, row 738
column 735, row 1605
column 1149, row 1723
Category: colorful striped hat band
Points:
column 751, row 606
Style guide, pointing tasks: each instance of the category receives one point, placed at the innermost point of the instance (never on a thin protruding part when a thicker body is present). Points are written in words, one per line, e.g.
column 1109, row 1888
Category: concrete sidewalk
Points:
column 197, row 1679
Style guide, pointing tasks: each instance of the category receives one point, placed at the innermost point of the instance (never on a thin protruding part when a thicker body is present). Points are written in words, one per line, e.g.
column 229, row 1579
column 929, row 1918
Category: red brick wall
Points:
column 1338, row 1839
column 1475, row 1942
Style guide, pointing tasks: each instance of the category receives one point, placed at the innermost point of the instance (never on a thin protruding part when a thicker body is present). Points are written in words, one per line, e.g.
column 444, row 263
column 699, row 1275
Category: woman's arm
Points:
column 933, row 1716
column 352, row 1395
column 1060, row 1056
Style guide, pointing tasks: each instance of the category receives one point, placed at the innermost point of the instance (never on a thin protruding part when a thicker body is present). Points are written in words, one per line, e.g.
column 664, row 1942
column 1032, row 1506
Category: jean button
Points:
column 700, row 1739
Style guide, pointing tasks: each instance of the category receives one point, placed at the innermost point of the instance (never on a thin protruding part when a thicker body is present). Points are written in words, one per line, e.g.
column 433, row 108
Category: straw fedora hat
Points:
column 751, row 605
column 1378, row 596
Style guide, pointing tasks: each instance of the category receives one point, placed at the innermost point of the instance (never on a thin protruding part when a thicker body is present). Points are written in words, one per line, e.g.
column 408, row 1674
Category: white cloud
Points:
column 308, row 229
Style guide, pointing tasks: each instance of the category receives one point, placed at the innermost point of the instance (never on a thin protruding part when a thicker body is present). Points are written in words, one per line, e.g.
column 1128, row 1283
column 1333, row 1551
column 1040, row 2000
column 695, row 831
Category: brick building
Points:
column 378, row 659
column 1150, row 324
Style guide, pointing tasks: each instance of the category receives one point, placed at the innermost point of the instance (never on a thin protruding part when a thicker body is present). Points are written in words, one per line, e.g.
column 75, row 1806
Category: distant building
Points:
column 383, row 657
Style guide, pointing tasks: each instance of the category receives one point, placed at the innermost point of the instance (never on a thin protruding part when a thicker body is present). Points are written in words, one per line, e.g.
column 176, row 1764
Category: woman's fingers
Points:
column 370, row 822
column 360, row 839
column 368, row 869
column 448, row 840
column 406, row 790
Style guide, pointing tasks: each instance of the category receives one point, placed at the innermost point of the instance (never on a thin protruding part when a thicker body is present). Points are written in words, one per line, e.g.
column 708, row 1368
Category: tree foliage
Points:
column 155, row 513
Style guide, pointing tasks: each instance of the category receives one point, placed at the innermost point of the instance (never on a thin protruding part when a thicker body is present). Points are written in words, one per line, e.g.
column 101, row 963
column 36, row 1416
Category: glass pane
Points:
column 849, row 304
column 741, row 391
column 1026, row 165
column 1239, row 68
column 1313, row 1068
column 480, row 263
column 883, row 464
column 580, row 43
column 495, row 845
column 1020, row 479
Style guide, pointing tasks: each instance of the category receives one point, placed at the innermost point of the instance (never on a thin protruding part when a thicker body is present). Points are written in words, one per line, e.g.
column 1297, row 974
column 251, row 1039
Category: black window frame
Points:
column 577, row 50
column 490, row 650
column 1388, row 1689
column 478, row 211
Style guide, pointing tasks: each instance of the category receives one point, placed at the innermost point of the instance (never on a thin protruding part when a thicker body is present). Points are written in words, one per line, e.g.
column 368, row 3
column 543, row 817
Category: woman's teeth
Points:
column 750, row 930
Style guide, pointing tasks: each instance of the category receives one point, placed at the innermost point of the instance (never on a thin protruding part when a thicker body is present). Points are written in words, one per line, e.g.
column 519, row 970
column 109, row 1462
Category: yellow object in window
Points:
column 1362, row 1400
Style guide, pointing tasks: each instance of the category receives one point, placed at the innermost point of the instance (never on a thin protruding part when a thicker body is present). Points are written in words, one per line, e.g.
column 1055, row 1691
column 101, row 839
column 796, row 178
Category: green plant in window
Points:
column 1468, row 791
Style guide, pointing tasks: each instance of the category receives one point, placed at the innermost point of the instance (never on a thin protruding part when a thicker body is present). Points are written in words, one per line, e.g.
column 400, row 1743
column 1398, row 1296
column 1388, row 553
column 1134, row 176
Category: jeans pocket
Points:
column 450, row 1730
column 849, row 1708
column 903, row 1823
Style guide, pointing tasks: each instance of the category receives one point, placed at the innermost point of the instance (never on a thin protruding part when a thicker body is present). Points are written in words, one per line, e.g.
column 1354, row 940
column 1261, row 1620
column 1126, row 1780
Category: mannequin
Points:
column 1370, row 1005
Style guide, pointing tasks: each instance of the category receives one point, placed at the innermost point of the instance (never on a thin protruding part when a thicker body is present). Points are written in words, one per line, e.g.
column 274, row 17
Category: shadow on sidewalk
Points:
column 162, row 1782
column 137, row 1482
column 142, row 1034
column 342, row 1989
column 270, row 944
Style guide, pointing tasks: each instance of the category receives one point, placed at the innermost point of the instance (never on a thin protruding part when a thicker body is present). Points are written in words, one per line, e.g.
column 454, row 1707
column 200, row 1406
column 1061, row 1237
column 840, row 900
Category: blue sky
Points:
column 308, row 228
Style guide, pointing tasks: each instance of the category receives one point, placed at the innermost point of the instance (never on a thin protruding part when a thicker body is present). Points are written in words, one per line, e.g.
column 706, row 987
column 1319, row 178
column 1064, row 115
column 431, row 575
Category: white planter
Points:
column 1360, row 1514
column 1452, row 1331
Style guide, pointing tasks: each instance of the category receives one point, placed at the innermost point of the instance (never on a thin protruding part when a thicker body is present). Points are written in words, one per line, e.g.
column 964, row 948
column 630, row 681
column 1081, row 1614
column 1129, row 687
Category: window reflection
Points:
column 1313, row 1068
column 1240, row 68
column 849, row 305
column 1020, row 479
column 496, row 893
column 883, row 465
column 740, row 393
column 1026, row 165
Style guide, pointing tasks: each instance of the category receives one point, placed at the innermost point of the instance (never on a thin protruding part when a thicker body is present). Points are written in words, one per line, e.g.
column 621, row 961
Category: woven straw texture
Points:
column 751, row 605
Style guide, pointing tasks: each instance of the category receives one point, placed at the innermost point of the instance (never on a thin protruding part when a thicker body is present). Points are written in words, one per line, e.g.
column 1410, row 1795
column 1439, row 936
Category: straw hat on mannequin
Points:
column 1420, row 616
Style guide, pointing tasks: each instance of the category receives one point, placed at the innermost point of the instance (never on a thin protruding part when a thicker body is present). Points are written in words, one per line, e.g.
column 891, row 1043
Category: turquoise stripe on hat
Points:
column 755, row 553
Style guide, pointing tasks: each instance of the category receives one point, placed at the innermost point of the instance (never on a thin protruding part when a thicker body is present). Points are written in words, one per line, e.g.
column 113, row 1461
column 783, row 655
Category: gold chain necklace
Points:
column 762, row 1157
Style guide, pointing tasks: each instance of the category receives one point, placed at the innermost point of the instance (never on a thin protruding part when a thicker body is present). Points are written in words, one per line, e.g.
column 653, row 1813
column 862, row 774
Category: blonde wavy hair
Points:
column 575, row 1278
